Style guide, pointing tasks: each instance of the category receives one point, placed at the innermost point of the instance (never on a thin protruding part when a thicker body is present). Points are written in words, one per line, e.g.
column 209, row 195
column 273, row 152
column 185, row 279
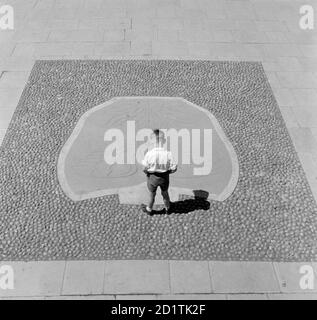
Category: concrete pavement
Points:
column 266, row 31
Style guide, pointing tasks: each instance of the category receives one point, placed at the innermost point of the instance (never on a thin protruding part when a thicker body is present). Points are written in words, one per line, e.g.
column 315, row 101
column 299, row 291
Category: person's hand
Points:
column 172, row 170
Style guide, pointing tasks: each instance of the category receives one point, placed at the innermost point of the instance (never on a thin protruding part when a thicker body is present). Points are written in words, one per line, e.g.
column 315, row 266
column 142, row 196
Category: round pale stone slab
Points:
column 83, row 173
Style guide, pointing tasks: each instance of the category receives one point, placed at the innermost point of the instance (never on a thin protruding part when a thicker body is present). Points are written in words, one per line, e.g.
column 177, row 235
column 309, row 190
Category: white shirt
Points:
column 159, row 160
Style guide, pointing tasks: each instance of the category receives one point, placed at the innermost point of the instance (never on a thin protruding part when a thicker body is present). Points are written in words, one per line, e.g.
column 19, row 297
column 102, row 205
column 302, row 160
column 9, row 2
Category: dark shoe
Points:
column 170, row 209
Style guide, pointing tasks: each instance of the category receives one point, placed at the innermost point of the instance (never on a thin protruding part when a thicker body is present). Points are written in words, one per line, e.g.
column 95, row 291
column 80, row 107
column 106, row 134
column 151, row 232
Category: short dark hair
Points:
column 159, row 135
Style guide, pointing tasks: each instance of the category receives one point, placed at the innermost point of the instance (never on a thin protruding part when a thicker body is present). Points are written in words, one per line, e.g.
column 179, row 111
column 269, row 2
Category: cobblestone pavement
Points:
column 271, row 214
column 251, row 30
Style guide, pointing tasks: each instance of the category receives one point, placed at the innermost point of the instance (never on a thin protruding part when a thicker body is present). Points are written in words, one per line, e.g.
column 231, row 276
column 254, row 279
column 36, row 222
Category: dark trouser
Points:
column 155, row 180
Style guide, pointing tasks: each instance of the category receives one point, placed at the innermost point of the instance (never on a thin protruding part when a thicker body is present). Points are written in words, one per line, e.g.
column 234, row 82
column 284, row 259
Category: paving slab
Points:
column 105, row 23
column 284, row 97
column 251, row 36
column 314, row 132
column 113, row 35
column 9, row 97
column 223, row 36
column 141, row 48
column 18, row 63
column 25, row 298
column 40, row 278
column 190, row 277
column 5, row 118
column 136, row 277
column 303, row 139
column 52, row 49
column 275, row 37
column 275, row 50
column 82, row 297
column 24, row 50
column 13, row 79
column 290, row 276
column 113, row 48
column 239, row 11
column 169, row 48
column 247, row 51
column 289, row 117
column 136, row 297
column 306, row 97
column 84, row 35
column 83, row 277
column 140, row 34
column 273, row 80
column 307, row 117
column 26, row 35
column 243, row 277
column 296, row 296
column 247, row 297
column 300, row 80
column 63, row 24
column 6, row 50
column 289, row 64
column 308, row 50
column 192, row 297
column 84, row 50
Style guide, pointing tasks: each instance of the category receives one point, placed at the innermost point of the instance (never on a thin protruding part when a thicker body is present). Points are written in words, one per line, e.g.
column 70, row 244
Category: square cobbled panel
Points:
column 268, row 215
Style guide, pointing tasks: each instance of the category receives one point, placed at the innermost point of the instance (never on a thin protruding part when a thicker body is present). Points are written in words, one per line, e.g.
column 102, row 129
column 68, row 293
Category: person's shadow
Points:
column 185, row 206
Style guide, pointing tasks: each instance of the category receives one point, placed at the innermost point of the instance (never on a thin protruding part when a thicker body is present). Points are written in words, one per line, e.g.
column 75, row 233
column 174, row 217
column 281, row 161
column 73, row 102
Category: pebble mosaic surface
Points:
column 270, row 216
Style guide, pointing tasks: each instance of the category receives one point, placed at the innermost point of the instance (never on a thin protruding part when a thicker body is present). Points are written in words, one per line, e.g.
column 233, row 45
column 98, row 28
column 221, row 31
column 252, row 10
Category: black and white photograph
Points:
column 160, row 150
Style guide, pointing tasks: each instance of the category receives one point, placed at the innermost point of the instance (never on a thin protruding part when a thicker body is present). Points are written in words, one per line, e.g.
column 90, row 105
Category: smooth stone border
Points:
column 234, row 279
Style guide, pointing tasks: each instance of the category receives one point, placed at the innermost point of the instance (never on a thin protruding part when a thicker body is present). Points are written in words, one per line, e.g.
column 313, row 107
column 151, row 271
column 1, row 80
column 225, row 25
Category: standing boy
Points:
column 158, row 164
